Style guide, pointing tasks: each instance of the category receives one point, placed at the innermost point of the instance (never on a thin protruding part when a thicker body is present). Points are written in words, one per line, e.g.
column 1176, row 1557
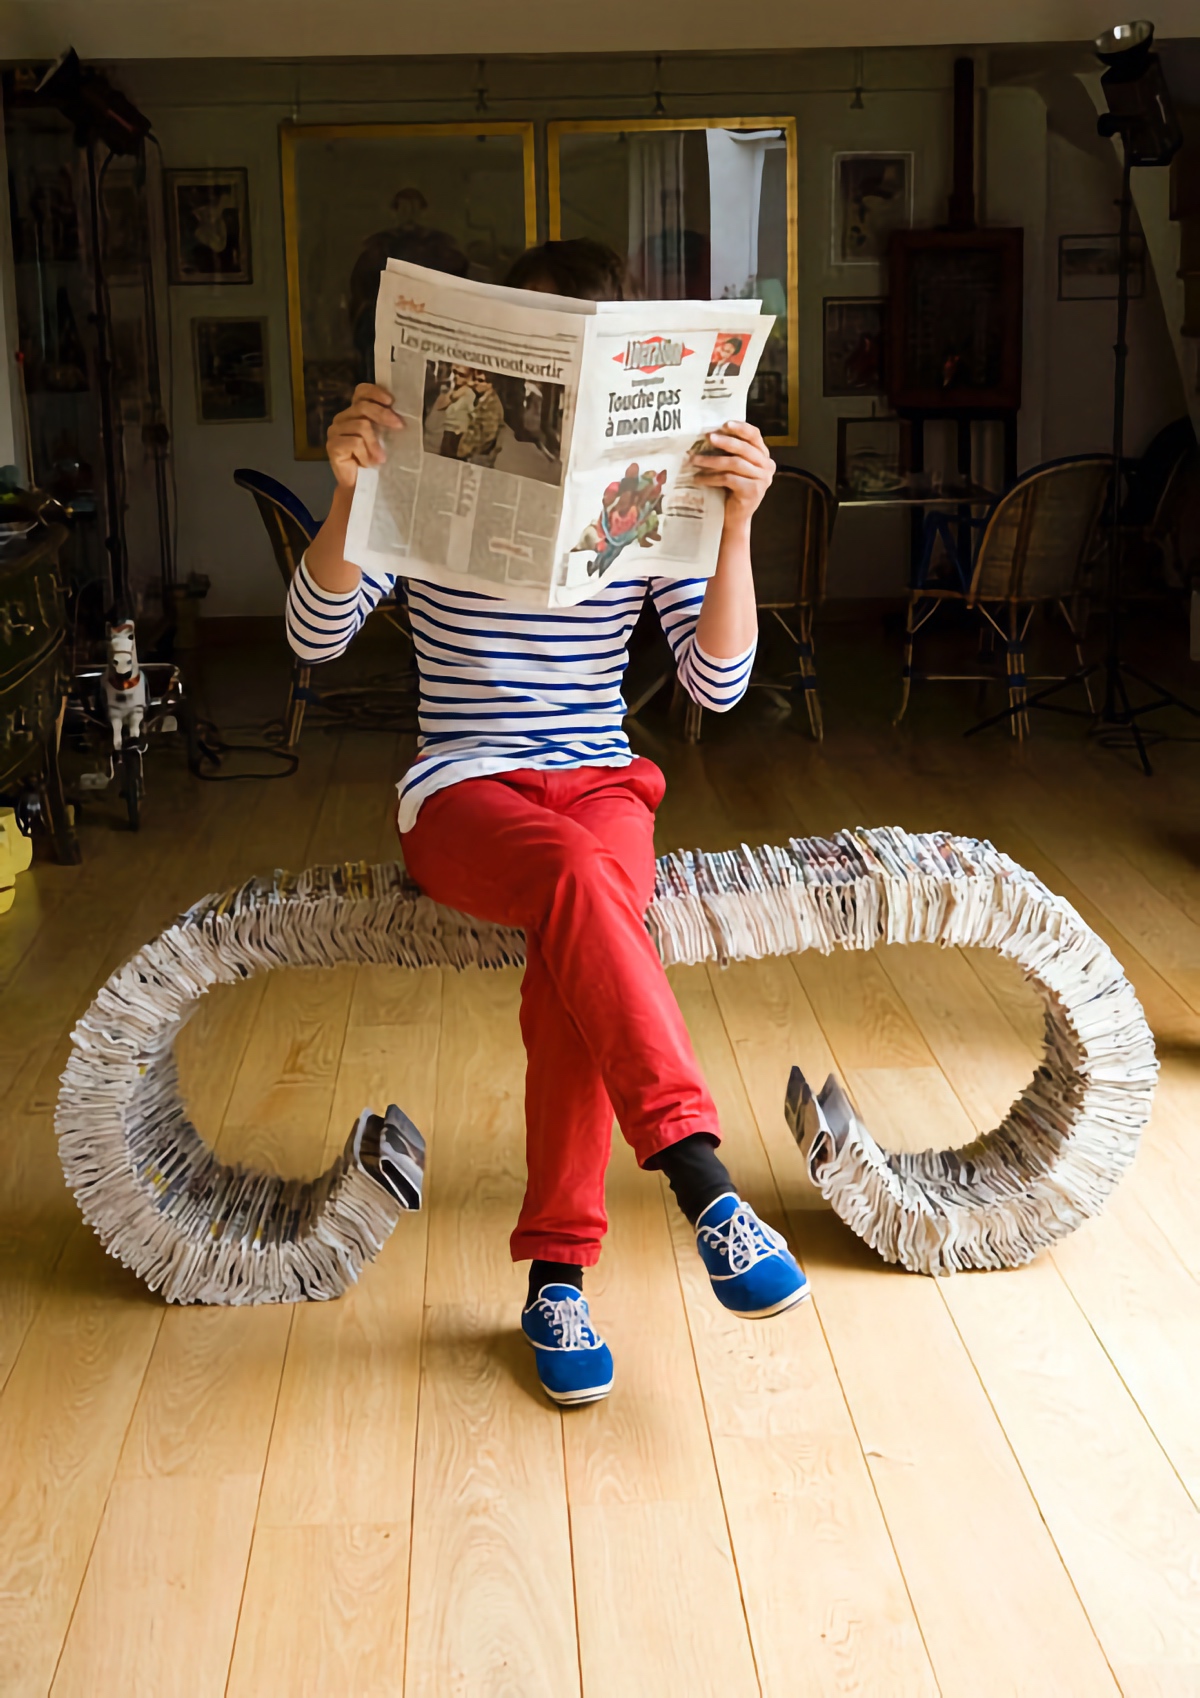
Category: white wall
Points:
column 224, row 113
column 136, row 29
column 1083, row 187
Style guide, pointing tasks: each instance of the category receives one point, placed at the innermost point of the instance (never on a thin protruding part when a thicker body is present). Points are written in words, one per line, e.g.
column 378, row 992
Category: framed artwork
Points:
column 124, row 228
column 699, row 208
column 1088, row 265
column 230, row 360
column 459, row 198
column 873, row 457
column 852, row 345
column 872, row 196
column 208, row 226
column 954, row 320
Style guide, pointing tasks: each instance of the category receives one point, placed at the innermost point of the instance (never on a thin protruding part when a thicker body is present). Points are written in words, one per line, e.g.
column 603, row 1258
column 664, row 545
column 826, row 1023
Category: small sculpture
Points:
column 124, row 684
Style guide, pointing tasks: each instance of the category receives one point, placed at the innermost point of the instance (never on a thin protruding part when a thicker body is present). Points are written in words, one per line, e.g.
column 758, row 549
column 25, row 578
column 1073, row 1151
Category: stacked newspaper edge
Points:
column 201, row 1230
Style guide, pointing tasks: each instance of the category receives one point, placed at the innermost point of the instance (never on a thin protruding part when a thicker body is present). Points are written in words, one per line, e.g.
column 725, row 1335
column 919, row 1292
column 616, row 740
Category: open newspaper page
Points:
column 657, row 377
column 549, row 442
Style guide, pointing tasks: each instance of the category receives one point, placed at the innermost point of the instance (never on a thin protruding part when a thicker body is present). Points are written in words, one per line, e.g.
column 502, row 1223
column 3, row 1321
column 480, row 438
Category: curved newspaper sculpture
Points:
column 202, row 1231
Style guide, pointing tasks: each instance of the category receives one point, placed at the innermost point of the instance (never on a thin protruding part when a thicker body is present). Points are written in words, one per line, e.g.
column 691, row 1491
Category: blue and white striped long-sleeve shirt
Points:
column 504, row 687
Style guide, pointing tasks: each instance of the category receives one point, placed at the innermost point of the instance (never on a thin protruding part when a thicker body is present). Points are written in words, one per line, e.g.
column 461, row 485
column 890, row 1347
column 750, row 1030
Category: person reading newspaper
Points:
column 525, row 806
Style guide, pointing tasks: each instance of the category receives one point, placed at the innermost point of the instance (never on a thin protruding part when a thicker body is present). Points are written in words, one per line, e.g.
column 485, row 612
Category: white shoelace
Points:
column 744, row 1239
column 568, row 1320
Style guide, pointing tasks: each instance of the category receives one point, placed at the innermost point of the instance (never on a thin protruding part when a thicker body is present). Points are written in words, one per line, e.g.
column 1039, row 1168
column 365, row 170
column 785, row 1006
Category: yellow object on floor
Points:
column 16, row 852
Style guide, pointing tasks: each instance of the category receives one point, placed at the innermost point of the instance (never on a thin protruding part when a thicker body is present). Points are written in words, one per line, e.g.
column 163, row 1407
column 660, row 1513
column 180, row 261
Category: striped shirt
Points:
column 505, row 687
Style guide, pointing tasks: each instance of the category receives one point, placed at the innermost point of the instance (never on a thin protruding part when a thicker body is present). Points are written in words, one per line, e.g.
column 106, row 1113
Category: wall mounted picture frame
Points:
column 872, row 196
column 852, row 345
column 874, row 457
column 229, row 357
column 460, row 198
column 208, row 226
column 955, row 310
column 1087, row 267
column 698, row 208
column 124, row 228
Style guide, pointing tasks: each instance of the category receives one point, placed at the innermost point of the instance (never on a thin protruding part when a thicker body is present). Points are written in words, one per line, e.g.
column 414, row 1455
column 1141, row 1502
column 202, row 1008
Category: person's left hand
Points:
column 741, row 465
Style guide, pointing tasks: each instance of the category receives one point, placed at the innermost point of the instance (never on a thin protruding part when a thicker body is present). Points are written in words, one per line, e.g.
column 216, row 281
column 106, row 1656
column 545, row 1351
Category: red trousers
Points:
column 570, row 857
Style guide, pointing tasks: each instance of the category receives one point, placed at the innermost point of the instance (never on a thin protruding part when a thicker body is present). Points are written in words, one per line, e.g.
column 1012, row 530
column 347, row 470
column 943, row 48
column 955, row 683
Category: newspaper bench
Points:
column 202, row 1231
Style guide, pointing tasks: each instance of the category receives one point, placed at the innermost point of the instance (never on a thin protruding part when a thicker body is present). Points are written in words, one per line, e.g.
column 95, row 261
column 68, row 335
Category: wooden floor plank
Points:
column 323, row 1613
column 1127, row 1531
column 655, row 1579
column 961, row 1518
column 821, row 1585
column 819, row 1505
column 491, row 1595
column 63, row 1418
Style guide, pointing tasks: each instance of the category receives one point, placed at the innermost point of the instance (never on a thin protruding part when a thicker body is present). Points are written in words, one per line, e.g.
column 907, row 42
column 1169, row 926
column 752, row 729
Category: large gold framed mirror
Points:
column 458, row 197
column 700, row 208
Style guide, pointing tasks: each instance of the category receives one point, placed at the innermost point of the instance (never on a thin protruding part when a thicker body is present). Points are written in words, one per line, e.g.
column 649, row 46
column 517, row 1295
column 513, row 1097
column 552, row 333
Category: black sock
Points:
column 552, row 1273
column 695, row 1172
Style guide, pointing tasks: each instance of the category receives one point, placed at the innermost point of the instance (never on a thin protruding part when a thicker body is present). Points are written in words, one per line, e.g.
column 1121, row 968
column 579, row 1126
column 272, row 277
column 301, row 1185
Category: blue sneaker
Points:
column 751, row 1268
column 573, row 1362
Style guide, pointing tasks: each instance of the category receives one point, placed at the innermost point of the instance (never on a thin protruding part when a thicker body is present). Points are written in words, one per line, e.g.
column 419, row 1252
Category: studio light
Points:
column 1139, row 103
column 98, row 111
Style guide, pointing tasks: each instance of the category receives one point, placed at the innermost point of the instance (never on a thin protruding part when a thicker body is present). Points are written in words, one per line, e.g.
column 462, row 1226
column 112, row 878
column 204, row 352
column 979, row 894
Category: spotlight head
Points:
column 1140, row 110
column 89, row 101
column 1126, row 45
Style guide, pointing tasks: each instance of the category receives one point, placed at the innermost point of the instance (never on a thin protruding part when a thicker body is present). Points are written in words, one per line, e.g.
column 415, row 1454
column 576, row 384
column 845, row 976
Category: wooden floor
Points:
column 982, row 1485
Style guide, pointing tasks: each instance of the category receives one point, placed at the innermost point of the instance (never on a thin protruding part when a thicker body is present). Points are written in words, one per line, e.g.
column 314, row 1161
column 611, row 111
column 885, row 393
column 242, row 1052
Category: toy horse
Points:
column 124, row 685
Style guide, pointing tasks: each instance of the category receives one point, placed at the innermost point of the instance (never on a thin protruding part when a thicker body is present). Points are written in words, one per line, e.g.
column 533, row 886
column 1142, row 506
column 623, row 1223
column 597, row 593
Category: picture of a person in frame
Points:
column 450, row 413
column 728, row 354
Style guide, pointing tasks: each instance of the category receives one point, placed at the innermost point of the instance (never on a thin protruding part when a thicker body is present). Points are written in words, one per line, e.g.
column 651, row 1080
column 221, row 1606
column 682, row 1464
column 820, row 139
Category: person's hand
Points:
column 740, row 464
column 355, row 438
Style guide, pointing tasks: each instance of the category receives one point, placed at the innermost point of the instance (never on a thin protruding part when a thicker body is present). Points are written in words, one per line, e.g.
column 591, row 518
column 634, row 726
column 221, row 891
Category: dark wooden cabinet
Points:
column 33, row 678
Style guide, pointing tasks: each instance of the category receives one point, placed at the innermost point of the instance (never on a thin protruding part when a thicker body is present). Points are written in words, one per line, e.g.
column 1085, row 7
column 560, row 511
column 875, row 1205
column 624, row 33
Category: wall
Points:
column 1082, row 188
column 225, row 113
column 264, row 28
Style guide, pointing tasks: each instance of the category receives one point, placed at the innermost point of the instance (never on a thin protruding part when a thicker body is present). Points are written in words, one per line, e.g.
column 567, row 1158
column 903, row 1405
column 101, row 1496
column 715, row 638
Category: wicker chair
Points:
column 789, row 544
column 1031, row 549
column 291, row 527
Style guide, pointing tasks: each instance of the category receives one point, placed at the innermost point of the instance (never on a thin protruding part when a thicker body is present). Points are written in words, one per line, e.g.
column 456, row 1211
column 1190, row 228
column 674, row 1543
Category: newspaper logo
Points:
column 652, row 354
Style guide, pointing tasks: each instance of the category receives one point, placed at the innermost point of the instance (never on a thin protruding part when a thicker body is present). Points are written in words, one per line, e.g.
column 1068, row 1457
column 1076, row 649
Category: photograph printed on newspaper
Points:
column 549, row 443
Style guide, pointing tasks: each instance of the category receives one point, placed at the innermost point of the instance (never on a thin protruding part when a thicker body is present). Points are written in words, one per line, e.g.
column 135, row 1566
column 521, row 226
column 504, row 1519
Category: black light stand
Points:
column 1140, row 112
column 100, row 112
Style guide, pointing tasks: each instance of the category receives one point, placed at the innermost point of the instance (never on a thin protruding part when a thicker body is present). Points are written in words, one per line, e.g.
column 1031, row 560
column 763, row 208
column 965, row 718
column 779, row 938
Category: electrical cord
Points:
column 208, row 748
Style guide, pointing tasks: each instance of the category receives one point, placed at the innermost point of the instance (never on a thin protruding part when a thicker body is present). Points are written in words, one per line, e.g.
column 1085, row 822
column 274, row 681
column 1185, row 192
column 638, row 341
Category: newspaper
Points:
column 548, row 443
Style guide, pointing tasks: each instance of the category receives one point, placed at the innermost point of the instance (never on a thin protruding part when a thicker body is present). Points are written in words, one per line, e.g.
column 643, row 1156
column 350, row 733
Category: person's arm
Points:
column 743, row 468
column 712, row 624
column 329, row 599
column 354, row 439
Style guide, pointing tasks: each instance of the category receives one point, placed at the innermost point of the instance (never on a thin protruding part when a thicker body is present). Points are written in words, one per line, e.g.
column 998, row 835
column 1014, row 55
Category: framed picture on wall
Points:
column 698, row 208
column 955, row 306
column 872, row 196
column 874, row 456
column 208, row 226
column 458, row 198
column 230, row 360
column 852, row 346
column 124, row 232
column 1088, row 265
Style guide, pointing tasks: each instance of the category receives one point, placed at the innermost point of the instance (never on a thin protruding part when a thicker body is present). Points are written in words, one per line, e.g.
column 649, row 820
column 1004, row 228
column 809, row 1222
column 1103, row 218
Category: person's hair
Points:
column 587, row 270
column 737, row 341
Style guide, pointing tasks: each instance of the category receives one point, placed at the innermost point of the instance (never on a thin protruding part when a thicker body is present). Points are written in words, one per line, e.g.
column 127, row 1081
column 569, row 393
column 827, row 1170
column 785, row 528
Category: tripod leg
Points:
column 808, row 674
column 910, row 632
column 1077, row 640
column 1129, row 720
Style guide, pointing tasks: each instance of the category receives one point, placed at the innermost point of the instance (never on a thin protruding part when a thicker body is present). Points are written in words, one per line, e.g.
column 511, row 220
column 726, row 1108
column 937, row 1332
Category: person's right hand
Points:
column 355, row 438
